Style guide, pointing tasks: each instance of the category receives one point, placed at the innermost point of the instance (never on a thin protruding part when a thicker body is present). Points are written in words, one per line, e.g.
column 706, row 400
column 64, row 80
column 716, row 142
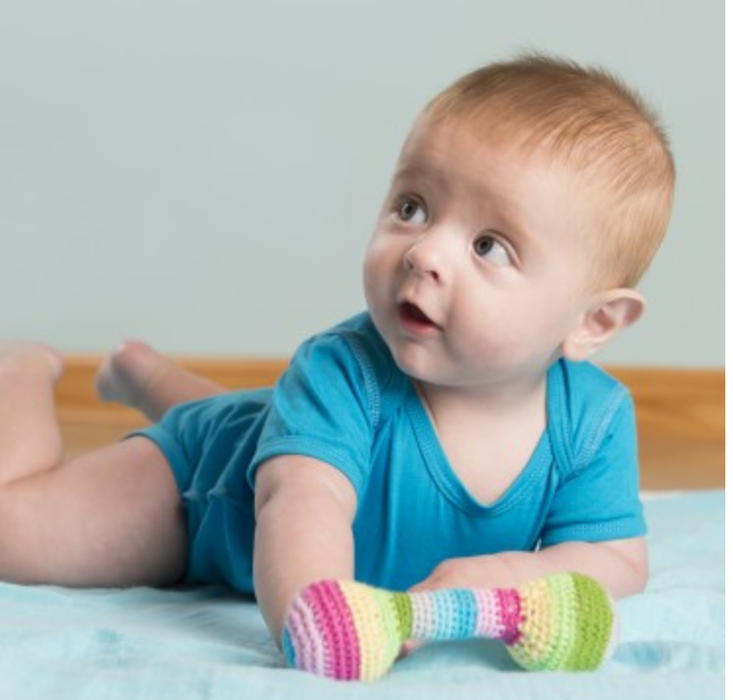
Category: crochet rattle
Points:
column 350, row 631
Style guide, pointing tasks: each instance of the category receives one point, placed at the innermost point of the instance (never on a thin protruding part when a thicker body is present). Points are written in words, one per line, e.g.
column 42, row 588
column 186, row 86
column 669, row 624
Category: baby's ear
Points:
column 610, row 313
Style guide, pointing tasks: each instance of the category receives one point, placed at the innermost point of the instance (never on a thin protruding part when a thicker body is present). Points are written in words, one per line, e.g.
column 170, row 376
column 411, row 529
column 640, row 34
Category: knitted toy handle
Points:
column 350, row 631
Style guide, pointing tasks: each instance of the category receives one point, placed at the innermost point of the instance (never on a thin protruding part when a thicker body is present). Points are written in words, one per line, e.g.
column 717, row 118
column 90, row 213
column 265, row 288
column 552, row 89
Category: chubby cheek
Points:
column 370, row 279
column 518, row 336
column 495, row 333
column 379, row 271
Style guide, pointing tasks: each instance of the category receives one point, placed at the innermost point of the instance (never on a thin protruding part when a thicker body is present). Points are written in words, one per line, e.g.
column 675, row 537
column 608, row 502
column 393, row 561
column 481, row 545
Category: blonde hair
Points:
column 587, row 120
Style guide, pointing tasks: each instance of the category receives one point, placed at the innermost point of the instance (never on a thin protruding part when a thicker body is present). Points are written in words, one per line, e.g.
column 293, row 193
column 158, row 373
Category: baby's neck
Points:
column 470, row 405
column 488, row 440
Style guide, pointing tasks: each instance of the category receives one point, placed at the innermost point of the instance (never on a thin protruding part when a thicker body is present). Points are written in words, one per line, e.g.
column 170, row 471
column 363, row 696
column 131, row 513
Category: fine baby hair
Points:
column 350, row 631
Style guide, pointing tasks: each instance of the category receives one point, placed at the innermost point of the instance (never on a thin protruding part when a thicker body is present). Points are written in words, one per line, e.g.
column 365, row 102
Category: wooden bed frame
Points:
column 680, row 414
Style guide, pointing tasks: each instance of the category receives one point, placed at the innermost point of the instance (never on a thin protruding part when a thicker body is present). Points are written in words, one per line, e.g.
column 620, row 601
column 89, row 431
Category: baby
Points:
column 451, row 437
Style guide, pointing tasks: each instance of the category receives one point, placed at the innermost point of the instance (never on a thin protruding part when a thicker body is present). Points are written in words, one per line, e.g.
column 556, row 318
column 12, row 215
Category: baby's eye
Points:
column 490, row 248
column 412, row 211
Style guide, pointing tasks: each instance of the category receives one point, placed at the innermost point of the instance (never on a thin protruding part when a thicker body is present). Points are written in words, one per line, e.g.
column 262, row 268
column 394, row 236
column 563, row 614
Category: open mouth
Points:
column 414, row 318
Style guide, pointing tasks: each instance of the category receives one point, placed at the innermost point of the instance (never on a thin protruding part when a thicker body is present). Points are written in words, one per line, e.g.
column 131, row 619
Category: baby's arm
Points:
column 304, row 510
column 621, row 566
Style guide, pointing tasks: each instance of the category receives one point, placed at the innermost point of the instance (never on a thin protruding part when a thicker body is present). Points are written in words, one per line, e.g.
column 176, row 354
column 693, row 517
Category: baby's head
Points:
column 589, row 123
column 527, row 201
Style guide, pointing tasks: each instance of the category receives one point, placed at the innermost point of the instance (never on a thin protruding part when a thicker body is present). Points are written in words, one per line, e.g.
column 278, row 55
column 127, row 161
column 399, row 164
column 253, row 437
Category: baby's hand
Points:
column 462, row 572
column 485, row 571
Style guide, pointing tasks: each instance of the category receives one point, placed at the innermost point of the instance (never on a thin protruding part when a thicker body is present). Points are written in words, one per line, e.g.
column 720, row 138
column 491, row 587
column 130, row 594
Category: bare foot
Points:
column 128, row 373
column 31, row 358
column 137, row 376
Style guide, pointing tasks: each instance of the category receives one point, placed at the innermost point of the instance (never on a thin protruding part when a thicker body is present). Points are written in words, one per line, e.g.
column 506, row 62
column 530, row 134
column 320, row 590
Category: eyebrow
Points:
column 417, row 172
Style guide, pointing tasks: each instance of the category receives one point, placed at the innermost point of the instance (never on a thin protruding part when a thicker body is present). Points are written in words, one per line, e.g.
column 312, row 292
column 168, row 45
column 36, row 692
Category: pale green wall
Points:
column 206, row 174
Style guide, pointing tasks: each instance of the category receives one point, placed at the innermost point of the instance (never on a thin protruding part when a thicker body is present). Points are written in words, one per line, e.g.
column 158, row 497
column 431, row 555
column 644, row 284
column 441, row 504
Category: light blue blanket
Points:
column 182, row 644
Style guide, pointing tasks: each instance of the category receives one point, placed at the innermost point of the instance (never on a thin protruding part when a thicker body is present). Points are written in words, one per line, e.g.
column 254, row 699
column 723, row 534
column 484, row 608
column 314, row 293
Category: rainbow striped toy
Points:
column 350, row 631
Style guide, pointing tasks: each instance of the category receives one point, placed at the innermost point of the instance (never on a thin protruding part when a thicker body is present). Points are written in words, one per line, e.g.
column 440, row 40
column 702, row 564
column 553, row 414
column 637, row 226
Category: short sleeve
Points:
column 599, row 498
column 320, row 408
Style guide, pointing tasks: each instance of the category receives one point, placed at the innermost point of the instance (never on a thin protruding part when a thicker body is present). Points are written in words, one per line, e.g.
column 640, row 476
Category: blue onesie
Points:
column 344, row 401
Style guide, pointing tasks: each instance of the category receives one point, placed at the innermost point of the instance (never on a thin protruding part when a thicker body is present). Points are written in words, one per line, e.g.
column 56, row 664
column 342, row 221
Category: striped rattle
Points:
column 350, row 631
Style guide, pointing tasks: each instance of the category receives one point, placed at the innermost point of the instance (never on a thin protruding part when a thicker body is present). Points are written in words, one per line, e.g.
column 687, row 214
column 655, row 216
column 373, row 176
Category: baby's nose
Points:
column 429, row 257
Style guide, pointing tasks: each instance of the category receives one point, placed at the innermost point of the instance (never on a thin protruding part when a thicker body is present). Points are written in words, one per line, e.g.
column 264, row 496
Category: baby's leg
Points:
column 30, row 439
column 137, row 376
column 111, row 517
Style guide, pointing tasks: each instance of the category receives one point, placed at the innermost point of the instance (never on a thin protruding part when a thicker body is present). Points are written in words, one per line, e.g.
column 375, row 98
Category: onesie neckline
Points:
column 447, row 480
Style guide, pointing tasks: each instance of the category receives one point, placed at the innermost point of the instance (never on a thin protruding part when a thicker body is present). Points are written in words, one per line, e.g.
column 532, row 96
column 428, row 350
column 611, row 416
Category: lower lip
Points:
column 415, row 326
